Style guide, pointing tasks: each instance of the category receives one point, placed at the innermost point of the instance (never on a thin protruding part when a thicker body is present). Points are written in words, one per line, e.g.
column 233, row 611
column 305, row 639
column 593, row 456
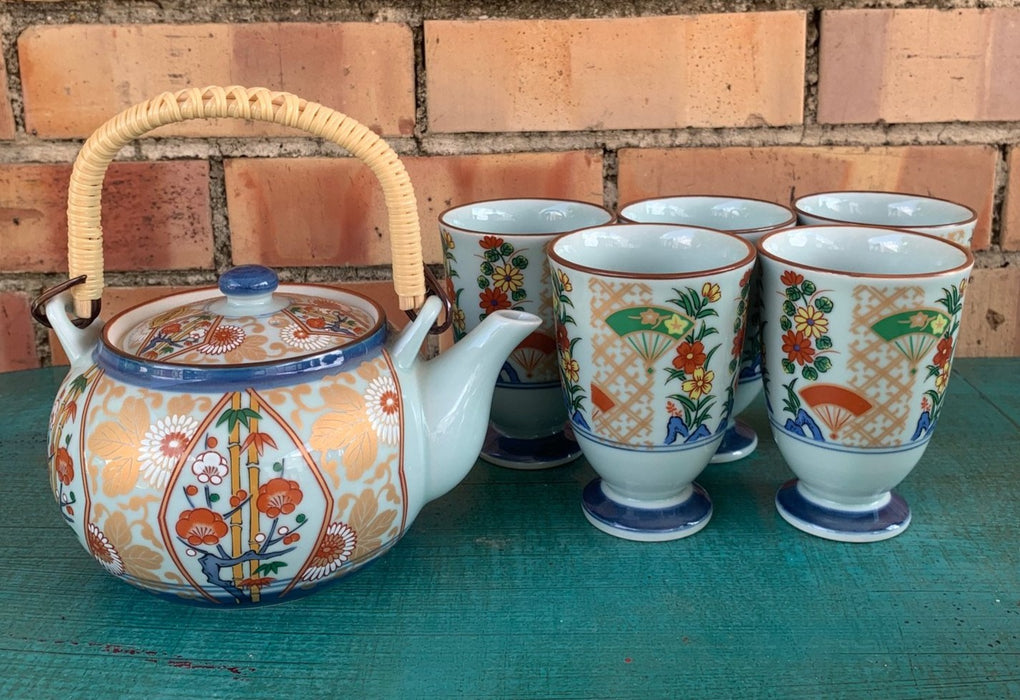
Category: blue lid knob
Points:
column 248, row 281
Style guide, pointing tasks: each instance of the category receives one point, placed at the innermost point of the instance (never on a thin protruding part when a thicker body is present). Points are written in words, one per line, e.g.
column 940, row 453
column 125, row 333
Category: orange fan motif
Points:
column 834, row 404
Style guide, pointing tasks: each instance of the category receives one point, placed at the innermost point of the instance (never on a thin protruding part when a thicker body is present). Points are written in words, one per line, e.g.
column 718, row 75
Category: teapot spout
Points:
column 457, row 392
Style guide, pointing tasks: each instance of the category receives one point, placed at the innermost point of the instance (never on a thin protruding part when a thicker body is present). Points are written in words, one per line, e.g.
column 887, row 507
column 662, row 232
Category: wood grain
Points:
column 501, row 589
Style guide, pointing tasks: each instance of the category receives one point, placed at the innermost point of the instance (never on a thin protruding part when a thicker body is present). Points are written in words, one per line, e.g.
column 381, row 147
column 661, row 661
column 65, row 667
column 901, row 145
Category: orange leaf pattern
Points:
column 236, row 496
column 369, row 523
column 116, row 442
column 346, row 429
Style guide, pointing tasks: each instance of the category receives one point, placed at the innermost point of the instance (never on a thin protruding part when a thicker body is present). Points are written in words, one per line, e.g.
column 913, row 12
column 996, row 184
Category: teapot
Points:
column 247, row 443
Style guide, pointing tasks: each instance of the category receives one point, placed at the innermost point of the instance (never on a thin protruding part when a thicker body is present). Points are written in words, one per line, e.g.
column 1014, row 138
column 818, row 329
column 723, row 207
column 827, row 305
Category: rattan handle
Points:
column 85, row 232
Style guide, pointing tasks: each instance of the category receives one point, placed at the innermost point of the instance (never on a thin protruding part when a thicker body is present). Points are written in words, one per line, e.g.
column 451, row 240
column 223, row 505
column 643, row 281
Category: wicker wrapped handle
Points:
column 85, row 232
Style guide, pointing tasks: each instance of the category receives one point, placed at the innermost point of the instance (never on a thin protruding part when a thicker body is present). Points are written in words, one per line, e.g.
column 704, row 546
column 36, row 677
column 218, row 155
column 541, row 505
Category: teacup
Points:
column 648, row 320
column 495, row 259
column 750, row 219
column 859, row 326
column 913, row 212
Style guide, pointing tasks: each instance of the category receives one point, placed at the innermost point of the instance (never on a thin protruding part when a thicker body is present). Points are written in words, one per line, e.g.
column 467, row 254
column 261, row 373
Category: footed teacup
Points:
column 648, row 321
column 495, row 259
column 859, row 327
column 750, row 219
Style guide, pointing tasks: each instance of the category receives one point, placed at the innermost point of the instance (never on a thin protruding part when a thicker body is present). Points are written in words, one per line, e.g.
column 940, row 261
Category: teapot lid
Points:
column 249, row 322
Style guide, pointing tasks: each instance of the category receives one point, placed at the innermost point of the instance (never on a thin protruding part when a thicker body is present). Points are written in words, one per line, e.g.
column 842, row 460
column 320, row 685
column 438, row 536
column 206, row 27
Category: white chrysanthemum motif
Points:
column 297, row 337
column 336, row 549
column 103, row 550
column 163, row 445
column 210, row 467
column 383, row 405
column 223, row 340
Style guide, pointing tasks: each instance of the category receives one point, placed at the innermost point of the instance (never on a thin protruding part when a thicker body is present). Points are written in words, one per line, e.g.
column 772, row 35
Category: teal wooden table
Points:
column 502, row 589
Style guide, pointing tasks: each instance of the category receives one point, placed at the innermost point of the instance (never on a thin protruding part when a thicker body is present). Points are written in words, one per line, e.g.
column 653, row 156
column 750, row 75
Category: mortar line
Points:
column 223, row 257
column 812, row 65
column 999, row 196
column 610, row 178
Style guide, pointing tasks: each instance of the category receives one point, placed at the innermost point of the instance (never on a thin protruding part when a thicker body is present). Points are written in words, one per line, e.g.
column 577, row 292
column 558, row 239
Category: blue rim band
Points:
column 167, row 376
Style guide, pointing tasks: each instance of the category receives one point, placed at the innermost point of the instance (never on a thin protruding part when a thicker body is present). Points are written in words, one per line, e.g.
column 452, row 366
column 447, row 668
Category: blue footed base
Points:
column 738, row 442
column 872, row 525
column 536, row 453
column 646, row 524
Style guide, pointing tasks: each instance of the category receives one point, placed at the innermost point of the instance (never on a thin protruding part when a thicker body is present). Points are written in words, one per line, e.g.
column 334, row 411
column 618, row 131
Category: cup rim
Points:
column 795, row 205
column 602, row 272
column 442, row 218
column 967, row 264
column 790, row 221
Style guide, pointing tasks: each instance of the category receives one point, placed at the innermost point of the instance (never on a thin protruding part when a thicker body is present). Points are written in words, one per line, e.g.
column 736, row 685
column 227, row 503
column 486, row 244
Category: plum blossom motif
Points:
column 210, row 467
column 650, row 318
column 278, row 497
column 675, row 324
column 103, row 550
column 383, row 406
column 334, row 551
column 201, row 526
column 64, row 466
column 165, row 442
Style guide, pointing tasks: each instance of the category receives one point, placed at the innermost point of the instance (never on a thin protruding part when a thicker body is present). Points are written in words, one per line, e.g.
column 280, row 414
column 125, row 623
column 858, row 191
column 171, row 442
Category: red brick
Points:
column 991, row 314
column 630, row 73
column 1011, row 211
column 381, row 292
column 330, row 211
column 155, row 216
column 17, row 333
column 75, row 77
column 6, row 115
column 964, row 174
column 919, row 65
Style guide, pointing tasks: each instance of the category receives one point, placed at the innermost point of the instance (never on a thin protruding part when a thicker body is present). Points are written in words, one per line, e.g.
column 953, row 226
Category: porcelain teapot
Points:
column 247, row 443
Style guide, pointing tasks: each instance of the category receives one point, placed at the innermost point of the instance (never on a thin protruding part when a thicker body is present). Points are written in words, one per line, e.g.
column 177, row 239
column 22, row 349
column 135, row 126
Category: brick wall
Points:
column 569, row 99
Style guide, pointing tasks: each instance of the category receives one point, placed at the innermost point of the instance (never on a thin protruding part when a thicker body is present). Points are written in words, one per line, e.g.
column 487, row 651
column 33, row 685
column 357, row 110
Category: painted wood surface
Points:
column 501, row 589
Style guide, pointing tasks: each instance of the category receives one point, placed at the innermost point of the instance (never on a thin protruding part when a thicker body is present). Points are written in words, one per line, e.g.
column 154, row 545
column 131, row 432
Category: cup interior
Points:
column 864, row 250
column 525, row 216
column 734, row 214
column 883, row 209
column 650, row 250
